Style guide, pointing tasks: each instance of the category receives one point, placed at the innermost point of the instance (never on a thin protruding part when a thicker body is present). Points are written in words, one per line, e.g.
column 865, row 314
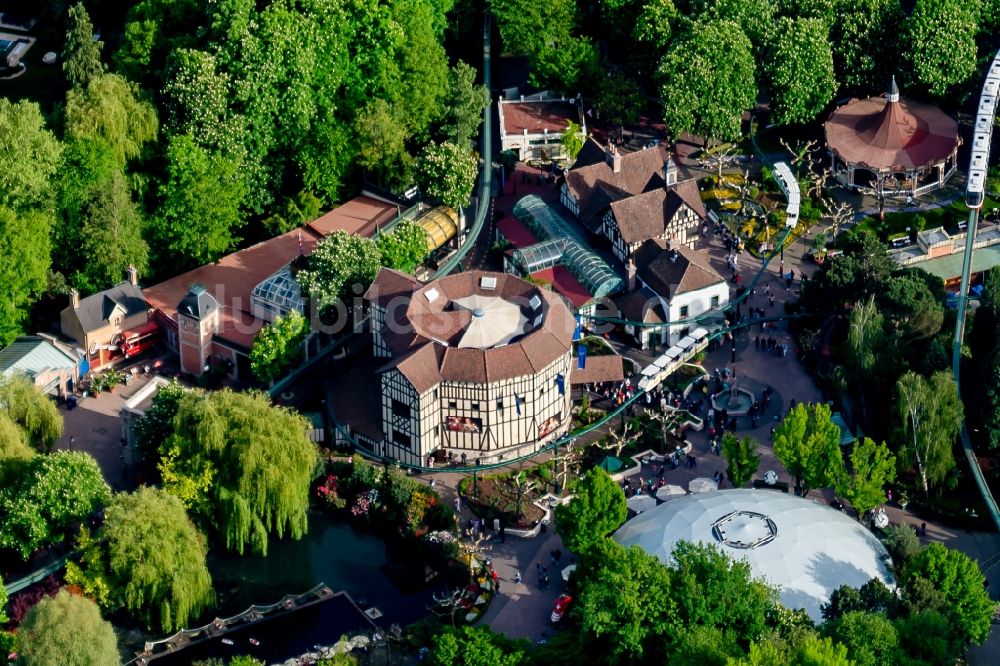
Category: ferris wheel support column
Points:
column 975, row 195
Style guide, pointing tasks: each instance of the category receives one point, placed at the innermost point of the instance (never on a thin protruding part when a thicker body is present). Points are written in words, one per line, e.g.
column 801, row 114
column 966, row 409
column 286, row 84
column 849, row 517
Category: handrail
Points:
column 36, row 576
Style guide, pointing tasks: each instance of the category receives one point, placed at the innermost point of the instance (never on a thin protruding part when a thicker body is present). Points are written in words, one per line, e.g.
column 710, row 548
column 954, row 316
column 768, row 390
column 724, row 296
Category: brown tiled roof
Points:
column 899, row 136
column 420, row 366
column 361, row 215
column 667, row 276
column 607, row 368
column 537, row 116
column 231, row 281
column 646, row 215
column 390, row 284
column 596, row 186
column 425, row 325
column 636, row 169
column 641, row 305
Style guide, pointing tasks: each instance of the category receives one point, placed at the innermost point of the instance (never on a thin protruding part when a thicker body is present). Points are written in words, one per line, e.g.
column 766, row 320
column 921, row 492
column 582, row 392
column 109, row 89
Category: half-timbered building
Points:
column 633, row 197
column 478, row 364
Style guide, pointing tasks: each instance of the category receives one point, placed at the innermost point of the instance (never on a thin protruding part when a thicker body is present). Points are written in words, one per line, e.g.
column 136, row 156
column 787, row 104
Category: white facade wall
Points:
column 697, row 302
column 568, row 200
column 412, row 434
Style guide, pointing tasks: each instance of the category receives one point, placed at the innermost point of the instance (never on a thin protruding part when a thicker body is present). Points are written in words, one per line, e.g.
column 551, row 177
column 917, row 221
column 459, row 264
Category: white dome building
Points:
column 804, row 548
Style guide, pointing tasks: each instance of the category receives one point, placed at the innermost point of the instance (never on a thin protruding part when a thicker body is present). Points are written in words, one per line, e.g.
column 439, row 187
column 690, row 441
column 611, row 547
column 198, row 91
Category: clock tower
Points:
column 197, row 322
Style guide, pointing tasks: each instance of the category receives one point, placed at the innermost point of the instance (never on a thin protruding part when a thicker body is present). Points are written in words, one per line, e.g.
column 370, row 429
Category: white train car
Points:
column 975, row 190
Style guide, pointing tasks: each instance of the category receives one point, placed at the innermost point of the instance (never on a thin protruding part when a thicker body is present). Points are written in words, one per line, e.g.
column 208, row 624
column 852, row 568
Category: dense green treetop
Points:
column 625, row 600
column 940, row 41
column 755, row 17
column 31, row 156
column 597, row 509
column 799, row 70
column 201, row 210
column 81, row 52
column 465, row 102
column 241, row 465
column 339, row 263
column 111, row 237
column 52, row 493
column 67, row 630
column 475, row 646
column 404, row 248
column 278, row 345
column 873, row 467
column 742, row 459
column 864, row 51
column 959, row 579
column 807, row 443
column 870, row 638
column 25, row 248
column 930, row 416
column 708, row 81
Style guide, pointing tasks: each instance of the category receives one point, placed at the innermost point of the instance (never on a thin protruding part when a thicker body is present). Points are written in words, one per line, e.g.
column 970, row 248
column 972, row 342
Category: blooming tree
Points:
column 448, row 173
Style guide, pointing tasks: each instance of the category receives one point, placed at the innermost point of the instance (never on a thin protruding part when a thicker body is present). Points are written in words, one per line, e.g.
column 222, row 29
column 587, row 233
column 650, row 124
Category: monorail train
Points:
column 975, row 190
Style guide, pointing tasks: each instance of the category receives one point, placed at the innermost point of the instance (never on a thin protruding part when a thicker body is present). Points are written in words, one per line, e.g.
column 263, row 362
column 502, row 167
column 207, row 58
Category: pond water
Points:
column 332, row 552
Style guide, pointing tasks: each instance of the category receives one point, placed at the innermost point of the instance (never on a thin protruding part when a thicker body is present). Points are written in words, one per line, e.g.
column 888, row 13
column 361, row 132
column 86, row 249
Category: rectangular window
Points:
column 400, row 409
column 500, row 405
column 452, row 404
column 715, row 301
column 401, row 439
column 684, row 311
column 475, row 406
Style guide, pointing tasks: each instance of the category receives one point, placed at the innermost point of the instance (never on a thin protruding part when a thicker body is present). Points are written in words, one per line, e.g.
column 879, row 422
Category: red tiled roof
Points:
column 361, row 215
column 231, row 281
column 537, row 116
column 566, row 284
column 900, row 136
column 515, row 232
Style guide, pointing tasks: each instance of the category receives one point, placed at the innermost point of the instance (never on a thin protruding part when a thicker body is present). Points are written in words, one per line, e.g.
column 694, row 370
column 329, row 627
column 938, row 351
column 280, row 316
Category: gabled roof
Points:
column 647, row 215
column 676, row 271
column 641, row 305
column 31, row 355
column 596, row 187
column 94, row 311
column 390, row 283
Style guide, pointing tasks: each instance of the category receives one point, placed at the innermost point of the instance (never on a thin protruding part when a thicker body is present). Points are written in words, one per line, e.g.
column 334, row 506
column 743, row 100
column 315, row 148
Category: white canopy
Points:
column 670, row 490
column 703, row 484
column 640, row 503
column 805, row 548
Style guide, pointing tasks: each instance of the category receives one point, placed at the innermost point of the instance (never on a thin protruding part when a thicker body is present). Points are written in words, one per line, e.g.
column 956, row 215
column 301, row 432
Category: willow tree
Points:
column 32, row 410
column 66, row 630
column 241, row 465
column 112, row 108
column 14, row 452
column 155, row 559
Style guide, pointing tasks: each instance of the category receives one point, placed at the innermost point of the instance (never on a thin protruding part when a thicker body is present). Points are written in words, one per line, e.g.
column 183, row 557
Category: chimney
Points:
column 630, row 274
column 670, row 172
column 614, row 158
column 74, row 299
column 132, row 275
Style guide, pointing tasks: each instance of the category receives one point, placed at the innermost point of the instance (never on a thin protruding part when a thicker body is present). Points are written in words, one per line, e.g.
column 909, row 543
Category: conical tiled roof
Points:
column 891, row 133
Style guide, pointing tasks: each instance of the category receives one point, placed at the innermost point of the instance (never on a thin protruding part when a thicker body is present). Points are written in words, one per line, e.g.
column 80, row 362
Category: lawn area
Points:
column 948, row 217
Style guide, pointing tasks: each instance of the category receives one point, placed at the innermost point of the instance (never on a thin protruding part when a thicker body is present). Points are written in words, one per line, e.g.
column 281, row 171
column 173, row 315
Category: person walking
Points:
column 517, row 578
